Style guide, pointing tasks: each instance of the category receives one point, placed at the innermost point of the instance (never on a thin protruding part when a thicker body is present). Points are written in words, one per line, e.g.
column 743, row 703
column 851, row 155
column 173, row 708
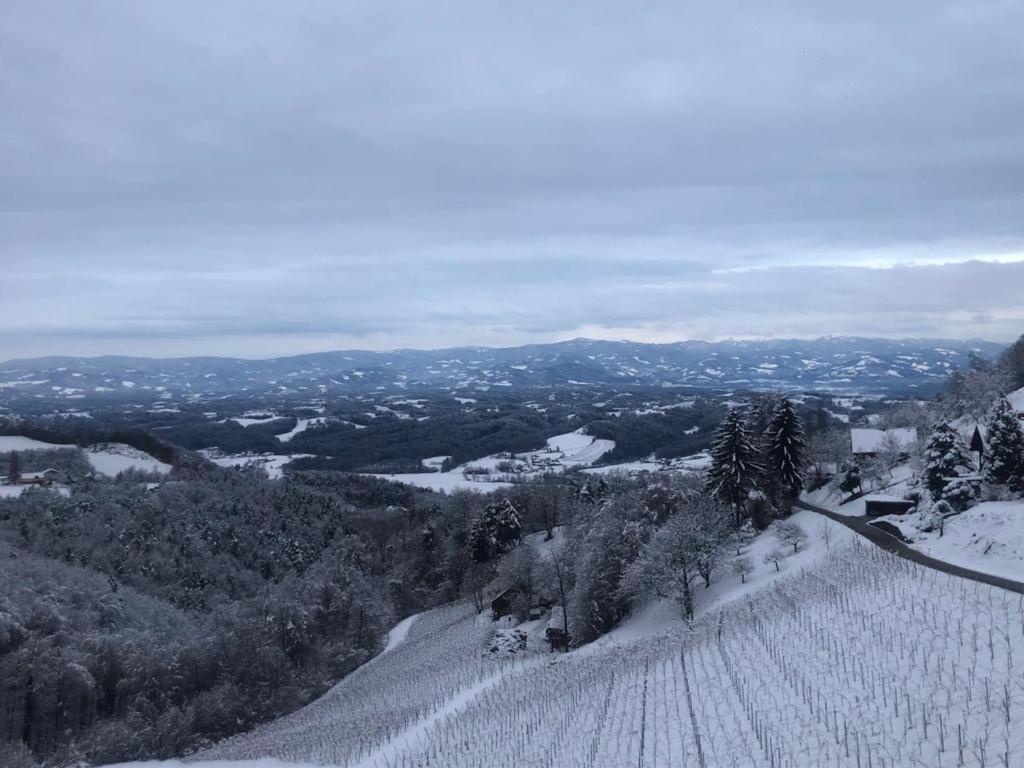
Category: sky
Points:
column 261, row 178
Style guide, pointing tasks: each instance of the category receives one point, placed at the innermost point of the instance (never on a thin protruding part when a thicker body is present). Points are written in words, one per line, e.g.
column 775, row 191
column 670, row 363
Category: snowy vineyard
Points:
column 863, row 661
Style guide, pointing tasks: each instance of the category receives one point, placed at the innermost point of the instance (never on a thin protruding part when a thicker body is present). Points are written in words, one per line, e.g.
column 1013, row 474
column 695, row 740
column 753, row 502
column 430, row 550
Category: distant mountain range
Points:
column 829, row 363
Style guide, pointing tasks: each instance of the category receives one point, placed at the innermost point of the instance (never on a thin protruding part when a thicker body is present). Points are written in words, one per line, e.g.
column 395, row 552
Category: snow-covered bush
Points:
column 960, row 493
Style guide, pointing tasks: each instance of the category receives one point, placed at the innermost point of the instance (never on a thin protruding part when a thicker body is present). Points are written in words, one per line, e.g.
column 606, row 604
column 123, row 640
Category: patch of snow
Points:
column 301, row 426
column 20, row 443
column 112, row 458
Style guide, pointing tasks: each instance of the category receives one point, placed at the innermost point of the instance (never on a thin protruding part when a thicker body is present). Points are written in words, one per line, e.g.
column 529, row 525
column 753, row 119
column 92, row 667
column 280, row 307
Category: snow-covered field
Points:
column 19, row 443
column 111, row 458
column 272, row 463
column 851, row 657
column 695, row 463
column 447, row 481
column 562, row 452
column 301, row 426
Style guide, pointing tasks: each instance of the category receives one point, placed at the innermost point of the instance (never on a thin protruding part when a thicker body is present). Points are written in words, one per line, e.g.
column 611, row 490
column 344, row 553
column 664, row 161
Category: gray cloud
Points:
column 262, row 177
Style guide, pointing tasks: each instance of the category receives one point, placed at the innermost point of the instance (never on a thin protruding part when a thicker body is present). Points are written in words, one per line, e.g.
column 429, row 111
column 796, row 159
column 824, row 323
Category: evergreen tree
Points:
column 946, row 457
column 495, row 531
column 1004, row 460
column 785, row 452
column 14, row 468
column 734, row 468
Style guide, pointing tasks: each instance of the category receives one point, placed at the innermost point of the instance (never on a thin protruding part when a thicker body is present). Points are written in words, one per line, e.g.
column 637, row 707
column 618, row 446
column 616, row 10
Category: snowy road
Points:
column 891, row 544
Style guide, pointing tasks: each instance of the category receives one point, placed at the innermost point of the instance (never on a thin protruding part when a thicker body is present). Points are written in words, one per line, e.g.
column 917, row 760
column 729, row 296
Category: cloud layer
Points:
column 261, row 178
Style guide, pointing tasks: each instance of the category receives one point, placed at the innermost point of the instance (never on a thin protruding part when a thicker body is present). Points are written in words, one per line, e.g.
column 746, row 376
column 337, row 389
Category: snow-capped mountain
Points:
column 831, row 363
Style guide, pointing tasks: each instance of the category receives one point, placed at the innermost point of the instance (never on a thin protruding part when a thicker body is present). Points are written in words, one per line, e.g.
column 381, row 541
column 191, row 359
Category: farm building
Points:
column 512, row 600
column 876, row 505
column 555, row 633
column 865, row 443
column 44, row 477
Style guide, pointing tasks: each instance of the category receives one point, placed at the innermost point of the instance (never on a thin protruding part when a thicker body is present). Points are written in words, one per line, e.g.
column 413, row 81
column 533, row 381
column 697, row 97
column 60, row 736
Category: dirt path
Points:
column 890, row 543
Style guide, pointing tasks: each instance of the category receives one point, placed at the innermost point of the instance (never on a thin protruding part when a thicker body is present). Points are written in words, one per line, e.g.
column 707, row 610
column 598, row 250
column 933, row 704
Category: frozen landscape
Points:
column 511, row 385
column 851, row 657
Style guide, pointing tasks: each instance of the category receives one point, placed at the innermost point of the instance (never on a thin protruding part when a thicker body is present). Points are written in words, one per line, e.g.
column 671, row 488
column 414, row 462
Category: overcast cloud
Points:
column 260, row 178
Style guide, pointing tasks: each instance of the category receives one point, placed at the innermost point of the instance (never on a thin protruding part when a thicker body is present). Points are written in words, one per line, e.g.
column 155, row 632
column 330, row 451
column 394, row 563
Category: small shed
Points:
column 877, row 505
column 554, row 633
column 502, row 603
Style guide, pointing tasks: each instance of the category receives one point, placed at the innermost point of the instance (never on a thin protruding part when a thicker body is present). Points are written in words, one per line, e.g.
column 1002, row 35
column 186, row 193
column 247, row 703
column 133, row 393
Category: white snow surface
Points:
column 399, row 632
column 20, row 443
column 1017, row 400
column 301, row 426
column 272, row 463
column 112, row 458
column 265, row 762
column 871, row 440
column 446, row 481
column 988, row 537
column 562, row 452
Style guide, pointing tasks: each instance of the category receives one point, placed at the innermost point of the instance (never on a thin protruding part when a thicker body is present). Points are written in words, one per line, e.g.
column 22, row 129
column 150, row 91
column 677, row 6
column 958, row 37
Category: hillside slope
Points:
column 859, row 659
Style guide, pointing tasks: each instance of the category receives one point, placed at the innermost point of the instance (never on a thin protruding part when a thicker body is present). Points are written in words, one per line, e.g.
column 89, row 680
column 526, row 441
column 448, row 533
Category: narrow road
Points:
column 891, row 544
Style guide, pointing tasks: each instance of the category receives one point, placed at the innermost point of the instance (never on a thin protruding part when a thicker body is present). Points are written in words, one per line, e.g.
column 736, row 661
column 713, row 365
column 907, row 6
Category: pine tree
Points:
column 945, row 457
column 1004, row 461
column 14, row 468
column 495, row 531
column 785, row 451
column 734, row 468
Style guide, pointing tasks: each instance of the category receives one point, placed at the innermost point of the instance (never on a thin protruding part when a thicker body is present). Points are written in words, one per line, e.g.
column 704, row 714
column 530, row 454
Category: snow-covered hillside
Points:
column 112, row 458
column 988, row 537
column 857, row 659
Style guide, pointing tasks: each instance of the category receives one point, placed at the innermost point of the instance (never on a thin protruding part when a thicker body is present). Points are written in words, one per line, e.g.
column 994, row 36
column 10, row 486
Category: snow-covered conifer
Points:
column 945, row 457
column 734, row 466
column 785, row 450
column 1004, row 457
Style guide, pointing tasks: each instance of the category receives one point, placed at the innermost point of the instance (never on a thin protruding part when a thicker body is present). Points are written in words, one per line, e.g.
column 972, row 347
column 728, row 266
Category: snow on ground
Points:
column 830, row 498
column 726, row 587
column 1017, row 400
column 399, row 632
column 301, row 426
column 388, row 702
column 272, row 463
column 848, row 657
column 13, row 491
column 562, row 452
column 445, row 481
column 577, row 448
column 265, row 762
column 988, row 537
column 435, row 462
column 20, row 443
column 695, row 463
column 250, row 418
column 112, row 458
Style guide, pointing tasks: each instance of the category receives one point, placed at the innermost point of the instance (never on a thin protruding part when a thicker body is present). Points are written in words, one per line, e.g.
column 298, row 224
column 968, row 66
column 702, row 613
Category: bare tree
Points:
column 742, row 567
column 791, row 534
